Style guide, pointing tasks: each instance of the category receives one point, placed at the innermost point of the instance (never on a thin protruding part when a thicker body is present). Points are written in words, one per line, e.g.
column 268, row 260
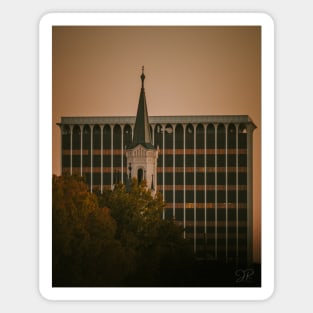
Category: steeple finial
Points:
column 142, row 77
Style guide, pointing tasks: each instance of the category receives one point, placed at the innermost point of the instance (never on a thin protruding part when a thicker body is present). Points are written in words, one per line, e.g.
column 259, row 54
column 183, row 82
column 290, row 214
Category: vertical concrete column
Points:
column 226, row 192
column 122, row 151
column 61, row 148
column 163, row 165
column 205, row 184
column 71, row 149
column 81, row 149
column 112, row 137
column 250, row 129
column 194, row 187
column 184, row 136
column 153, row 127
column 215, row 139
column 101, row 161
column 237, row 202
column 174, row 167
column 91, row 157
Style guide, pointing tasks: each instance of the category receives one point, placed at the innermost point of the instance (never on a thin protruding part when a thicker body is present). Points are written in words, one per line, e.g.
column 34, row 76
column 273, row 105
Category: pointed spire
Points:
column 142, row 77
column 142, row 132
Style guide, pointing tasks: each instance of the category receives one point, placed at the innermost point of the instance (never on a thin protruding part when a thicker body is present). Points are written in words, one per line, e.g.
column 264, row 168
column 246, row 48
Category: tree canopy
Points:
column 117, row 238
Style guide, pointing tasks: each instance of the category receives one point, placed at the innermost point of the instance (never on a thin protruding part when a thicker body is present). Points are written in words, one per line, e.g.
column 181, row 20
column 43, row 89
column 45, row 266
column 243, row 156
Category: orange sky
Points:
column 189, row 71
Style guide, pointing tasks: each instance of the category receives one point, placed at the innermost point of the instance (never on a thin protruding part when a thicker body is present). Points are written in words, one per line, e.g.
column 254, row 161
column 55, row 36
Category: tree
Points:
column 85, row 251
column 158, row 244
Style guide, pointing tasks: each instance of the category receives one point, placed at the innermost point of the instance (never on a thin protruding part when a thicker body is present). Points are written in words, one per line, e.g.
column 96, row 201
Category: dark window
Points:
column 169, row 196
column 231, row 136
column 160, row 160
column 96, row 140
column 210, row 137
column 189, row 197
column 242, row 178
column 231, row 196
column 231, row 179
column 242, row 137
column 210, row 159
column 96, row 179
column 221, row 196
column 190, row 216
column 200, row 160
column 210, row 196
column 127, row 133
column 231, row 160
column 242, row 160
column 221, row 178
column 200, row 196
column 140, row 175
column 200, row 136
column 179, row 178
column 168, row 160
column 200, row 214
column 76, row 160
column 221, row 160
column 189, row 178
column 221, row 214
column 221, row 138
column 76, row 138
column 168, row 137
column 117, row 160
column 232, row 214
column 66, row 160
column 107, row 161
column 200, row 178
column 168, row 178
column 242, row 214
column 117, row 137
column 179, row 214
column 189, row 160
column 66, row 137
column 179, row 137
column 189, row 137
column 179, row 196
column 242, row 196
column 158, row 136
column 179, row 160
column 160, row 180
column 97, row 160
column 107, row 179
column 168, row 213
column 106, row 137
column 242, row 230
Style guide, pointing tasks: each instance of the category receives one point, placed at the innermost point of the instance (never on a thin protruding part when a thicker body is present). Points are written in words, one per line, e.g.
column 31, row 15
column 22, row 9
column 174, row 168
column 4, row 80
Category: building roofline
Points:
column 181, row 119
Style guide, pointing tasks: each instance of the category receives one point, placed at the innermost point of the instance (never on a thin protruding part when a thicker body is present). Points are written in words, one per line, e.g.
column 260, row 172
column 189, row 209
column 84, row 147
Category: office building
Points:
column 201, row 164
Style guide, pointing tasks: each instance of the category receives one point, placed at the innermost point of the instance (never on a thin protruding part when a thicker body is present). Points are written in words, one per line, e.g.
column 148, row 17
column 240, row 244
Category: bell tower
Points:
column 141, row 154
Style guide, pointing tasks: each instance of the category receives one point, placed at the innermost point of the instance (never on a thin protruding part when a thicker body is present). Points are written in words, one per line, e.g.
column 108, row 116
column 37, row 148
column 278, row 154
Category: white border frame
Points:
column 45, row 155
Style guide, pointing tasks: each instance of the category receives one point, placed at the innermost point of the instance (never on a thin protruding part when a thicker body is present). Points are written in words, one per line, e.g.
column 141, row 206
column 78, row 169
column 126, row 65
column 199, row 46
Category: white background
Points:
column 19, row 154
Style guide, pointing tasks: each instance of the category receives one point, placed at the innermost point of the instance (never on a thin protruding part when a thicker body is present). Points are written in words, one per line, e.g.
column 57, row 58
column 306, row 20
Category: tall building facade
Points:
column 201, row 164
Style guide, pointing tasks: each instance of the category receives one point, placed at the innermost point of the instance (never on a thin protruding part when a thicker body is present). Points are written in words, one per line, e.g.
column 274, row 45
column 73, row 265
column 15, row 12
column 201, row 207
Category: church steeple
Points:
column 142, row 132
column 142, row 77
column 141, row 155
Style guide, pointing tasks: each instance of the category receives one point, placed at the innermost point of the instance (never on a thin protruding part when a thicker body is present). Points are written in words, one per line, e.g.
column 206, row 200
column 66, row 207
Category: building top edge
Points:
column 183, row 119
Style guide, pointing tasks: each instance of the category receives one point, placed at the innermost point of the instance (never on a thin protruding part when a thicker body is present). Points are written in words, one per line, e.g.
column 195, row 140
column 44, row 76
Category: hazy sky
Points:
column 189, row 71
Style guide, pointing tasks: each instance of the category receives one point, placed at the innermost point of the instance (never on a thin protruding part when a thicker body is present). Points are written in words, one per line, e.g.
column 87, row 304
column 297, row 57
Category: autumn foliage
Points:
column 114, row 239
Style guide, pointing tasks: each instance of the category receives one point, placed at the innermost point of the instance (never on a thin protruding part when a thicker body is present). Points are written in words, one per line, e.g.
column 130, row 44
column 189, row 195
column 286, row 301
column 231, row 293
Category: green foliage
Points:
column 117, row 238
column 85, row 251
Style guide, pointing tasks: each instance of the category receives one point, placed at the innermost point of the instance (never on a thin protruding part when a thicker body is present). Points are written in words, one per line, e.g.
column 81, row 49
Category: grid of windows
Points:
column 203, row 168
